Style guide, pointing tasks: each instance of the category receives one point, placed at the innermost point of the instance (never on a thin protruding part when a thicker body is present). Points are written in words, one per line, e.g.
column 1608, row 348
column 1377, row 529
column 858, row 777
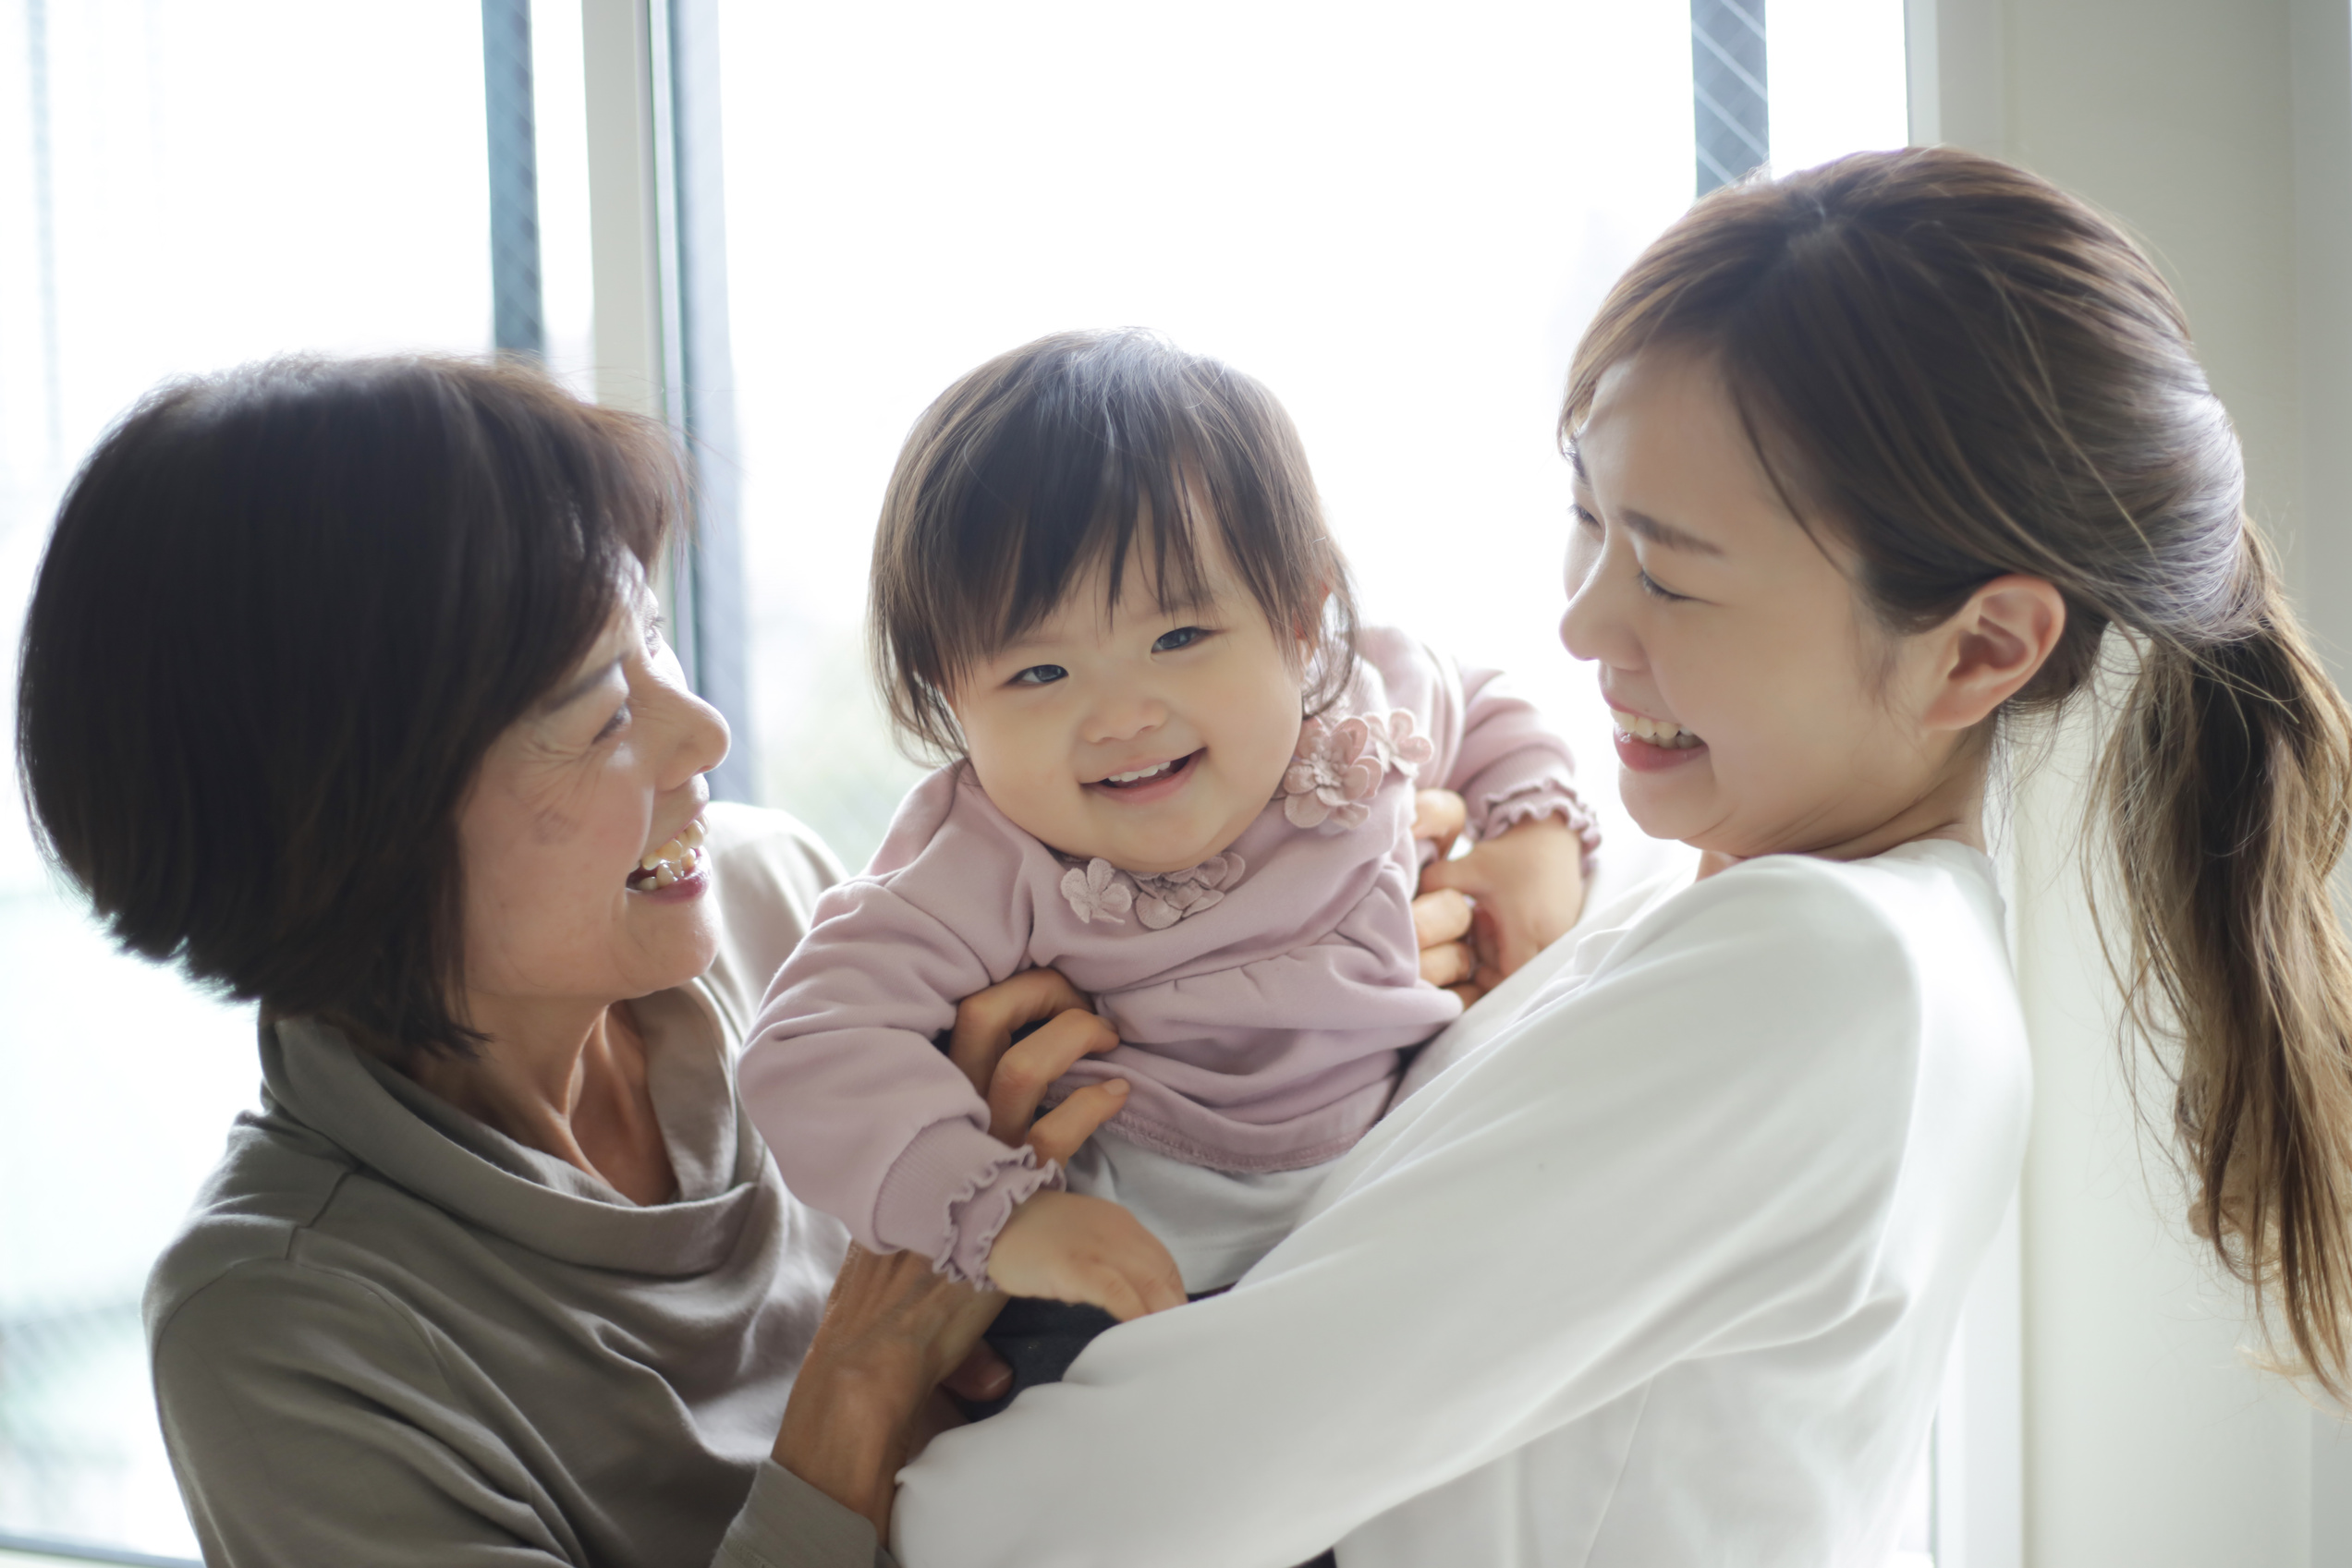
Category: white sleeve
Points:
column 1693, row 1154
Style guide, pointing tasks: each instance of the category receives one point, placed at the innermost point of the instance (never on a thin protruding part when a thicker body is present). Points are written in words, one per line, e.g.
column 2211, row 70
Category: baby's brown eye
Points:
column 1183, row 637
column 1039, row 674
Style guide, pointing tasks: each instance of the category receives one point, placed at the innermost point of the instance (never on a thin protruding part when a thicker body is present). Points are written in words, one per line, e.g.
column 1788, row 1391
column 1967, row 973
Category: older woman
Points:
column 342, row 688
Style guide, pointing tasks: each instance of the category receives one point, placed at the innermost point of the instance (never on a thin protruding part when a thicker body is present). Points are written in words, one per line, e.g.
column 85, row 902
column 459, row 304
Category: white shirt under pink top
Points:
column 1264, row 999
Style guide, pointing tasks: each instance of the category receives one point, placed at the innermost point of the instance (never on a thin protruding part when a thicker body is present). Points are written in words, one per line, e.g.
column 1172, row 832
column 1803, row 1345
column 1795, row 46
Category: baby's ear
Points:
column 1309, row 630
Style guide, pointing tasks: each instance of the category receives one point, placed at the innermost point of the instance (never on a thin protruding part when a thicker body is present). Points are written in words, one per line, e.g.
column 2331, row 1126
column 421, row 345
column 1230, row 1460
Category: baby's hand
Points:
column 1068, row 1248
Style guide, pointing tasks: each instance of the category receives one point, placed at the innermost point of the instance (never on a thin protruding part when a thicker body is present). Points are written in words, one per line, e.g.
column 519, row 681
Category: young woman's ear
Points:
column 1990, row 648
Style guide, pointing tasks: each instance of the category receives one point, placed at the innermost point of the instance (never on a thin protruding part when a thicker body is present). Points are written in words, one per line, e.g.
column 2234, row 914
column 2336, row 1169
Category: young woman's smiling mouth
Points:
column 1648, row 745
column 1151, row 781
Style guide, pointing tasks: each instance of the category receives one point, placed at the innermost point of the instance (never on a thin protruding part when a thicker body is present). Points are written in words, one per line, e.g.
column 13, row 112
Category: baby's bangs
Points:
column 1060, row 541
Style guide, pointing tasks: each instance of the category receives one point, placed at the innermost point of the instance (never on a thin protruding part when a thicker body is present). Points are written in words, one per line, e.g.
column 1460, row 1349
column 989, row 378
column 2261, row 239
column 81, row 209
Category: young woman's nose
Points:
column 1592, row 625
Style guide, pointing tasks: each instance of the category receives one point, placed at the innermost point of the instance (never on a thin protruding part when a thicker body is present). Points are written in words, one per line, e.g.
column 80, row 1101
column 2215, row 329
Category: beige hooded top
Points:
column 391, row 1335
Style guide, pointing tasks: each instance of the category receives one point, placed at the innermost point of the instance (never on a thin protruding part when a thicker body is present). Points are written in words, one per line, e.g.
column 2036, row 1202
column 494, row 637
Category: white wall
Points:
column 2219, row 133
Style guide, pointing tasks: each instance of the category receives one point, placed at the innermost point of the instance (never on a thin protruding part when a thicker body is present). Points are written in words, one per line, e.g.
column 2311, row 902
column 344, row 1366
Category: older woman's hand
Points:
column 868, row 1398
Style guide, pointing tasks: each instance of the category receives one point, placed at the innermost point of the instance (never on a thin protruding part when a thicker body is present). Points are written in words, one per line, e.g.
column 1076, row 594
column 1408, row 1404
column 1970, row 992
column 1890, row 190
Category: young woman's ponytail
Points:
column 2228, row 787
column 1958, row 371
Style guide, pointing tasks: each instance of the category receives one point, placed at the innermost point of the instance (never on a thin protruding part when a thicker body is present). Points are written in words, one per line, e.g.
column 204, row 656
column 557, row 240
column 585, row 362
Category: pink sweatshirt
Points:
column 1262, row 998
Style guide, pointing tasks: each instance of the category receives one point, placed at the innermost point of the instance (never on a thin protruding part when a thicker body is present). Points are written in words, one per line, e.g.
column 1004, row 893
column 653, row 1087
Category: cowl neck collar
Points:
column 313, row 1074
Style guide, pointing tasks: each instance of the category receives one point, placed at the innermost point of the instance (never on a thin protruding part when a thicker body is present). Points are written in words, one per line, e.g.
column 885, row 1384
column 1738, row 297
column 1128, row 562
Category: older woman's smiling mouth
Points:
column 672, row 862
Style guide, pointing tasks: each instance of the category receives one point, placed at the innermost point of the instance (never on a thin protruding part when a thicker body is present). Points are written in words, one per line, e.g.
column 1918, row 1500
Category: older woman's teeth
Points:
column 673, row 862
column 1673, row 737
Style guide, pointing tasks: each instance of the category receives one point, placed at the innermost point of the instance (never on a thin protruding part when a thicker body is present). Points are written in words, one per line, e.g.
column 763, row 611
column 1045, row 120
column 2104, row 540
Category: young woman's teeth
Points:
column 1673, row 737
column 673, row 862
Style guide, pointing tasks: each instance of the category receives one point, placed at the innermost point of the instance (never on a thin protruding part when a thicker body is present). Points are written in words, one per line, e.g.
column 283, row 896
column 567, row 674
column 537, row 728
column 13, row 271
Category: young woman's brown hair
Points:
column 1958, row 371
column 1069, row 453
column 283, row 613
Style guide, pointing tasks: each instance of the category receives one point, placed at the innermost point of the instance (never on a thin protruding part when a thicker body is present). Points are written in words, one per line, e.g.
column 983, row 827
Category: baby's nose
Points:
column 1125, row 717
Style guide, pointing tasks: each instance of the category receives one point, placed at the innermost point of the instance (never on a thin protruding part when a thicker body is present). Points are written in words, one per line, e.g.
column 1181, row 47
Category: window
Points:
column 1398, row 220
column 183, row 187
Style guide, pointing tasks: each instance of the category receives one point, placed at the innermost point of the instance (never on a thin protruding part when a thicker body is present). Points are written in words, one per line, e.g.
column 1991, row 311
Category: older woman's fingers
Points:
column 1470, row 991
column 1439, row 816
column 1441, row 916
column 1448, row 963
column 1057, row 1134
column 1029, row 1065
column 986, row 1021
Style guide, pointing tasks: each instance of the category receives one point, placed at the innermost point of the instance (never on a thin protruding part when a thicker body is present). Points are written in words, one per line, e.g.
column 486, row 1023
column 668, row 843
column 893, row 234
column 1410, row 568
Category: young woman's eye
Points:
column 1039, row 674
column 1649, row 586
column 1584, row 519
column 1183, row 637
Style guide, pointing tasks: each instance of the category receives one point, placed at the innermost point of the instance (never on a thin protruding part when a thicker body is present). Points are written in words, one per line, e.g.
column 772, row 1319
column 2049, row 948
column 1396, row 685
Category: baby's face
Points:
column 1150, row 738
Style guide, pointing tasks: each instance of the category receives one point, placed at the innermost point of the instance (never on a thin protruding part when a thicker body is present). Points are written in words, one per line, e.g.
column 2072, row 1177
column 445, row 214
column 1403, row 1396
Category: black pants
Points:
column 1039, row 1339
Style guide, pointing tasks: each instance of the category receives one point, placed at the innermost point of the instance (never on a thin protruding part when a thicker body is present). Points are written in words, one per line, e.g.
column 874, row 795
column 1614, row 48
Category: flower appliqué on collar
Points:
column 1336, row 768
column 1099, row 890
column 1161, row 902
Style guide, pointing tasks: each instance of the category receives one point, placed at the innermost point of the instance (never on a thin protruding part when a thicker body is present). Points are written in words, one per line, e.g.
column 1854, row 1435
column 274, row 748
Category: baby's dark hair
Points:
column 1073, row 451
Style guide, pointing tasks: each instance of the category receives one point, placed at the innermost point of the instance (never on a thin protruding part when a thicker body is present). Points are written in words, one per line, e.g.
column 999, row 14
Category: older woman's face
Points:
column 605, row 773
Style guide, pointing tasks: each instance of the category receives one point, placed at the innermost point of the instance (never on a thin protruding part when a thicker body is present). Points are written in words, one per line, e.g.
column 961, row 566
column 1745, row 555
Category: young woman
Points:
column 1869, row 461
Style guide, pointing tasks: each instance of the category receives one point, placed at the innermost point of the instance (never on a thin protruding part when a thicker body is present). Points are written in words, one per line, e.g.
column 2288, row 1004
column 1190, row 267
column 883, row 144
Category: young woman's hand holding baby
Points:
column 1481, row 916
column 1057, row 1245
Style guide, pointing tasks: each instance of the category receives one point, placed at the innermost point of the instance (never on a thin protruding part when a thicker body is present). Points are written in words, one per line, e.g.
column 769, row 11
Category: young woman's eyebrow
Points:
column 1667, row 535
column 579, row 689
column 1662, row 534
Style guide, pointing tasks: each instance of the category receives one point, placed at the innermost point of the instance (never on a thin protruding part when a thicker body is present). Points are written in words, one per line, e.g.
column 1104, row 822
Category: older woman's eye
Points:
column 615, row 724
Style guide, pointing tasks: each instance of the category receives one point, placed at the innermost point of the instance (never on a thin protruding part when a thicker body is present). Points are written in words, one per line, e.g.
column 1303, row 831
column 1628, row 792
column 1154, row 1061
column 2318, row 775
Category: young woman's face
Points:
column 605, row 773
column 1148, row 737
column 1758, row 709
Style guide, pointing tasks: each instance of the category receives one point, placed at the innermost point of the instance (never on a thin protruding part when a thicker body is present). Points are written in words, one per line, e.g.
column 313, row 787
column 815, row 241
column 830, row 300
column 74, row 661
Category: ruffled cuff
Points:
column 1531, row 801
column 952, row 1191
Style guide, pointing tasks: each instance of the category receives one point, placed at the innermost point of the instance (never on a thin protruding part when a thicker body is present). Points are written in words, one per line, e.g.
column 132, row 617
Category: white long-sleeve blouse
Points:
column 1664, row 1273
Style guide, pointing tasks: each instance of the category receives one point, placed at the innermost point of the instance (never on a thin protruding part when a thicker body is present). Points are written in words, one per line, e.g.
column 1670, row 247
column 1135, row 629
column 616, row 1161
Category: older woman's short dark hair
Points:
column 283, row 613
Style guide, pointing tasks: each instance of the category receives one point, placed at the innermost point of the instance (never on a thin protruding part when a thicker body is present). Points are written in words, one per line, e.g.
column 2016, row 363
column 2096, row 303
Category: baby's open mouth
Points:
column 1152, row 774
column 1657, row 732
column 672, row 863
